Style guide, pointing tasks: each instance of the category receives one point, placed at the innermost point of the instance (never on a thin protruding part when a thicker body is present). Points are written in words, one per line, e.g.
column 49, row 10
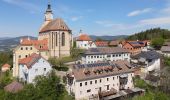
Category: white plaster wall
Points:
column 81, row 91
column 88, row 59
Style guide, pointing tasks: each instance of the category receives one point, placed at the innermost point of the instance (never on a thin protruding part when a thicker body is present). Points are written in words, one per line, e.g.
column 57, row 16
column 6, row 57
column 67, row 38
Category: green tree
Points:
column 157, row 42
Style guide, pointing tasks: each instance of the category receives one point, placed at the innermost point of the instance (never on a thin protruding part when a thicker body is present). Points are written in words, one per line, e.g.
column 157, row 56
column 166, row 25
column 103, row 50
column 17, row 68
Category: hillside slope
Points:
column 150, row 34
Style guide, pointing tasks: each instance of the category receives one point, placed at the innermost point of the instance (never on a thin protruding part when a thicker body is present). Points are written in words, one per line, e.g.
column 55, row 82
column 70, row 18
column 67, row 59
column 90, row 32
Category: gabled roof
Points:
column 148, row 55
column 55, row 25
column 29, row 61
column 13, row 87
column 38, row 44
column 165, row 49
column 6, row 66
column 84, row 37
column 101, row 43
column 102, row 69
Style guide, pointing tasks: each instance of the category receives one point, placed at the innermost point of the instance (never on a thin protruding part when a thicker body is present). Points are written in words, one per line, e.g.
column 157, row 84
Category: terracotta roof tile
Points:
column 55, row 25
column 38, row 44
column 97, row 70
column 84, row 37
column 29, row 61
column 6, row 66
column 102, row 43
column 13, row 87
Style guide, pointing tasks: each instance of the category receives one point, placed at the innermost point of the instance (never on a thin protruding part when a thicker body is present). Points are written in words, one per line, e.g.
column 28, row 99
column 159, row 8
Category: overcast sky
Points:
column 94, row 17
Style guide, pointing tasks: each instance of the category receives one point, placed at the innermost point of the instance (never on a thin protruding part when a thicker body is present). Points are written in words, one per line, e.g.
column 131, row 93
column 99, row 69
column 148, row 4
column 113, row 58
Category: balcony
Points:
column 112, row 91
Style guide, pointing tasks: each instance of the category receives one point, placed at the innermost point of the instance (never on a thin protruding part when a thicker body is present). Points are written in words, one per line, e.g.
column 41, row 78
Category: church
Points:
column 54, row 40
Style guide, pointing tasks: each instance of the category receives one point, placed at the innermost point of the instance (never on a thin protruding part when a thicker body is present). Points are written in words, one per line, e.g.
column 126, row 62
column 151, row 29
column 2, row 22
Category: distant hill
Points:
column 105, row 37
column 150, row 34
column 7, row 43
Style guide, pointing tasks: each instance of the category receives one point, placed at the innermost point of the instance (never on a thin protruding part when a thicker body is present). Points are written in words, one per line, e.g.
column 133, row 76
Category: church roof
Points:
column 55, row 25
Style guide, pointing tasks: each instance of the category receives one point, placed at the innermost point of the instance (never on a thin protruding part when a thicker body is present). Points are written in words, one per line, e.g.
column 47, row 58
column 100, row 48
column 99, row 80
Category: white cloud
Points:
column 139, row 12
column 76, row 18
column 26, row 5
column 156, row 21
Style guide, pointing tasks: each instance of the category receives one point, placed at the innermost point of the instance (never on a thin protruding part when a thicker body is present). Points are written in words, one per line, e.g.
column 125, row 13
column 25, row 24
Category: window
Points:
column 113, row 55
column 21, row 48
column 90, row 82
column 119, row 55
column 80, row 84
column 26, row 48
column 19, row 56
column 96, row 81
column 36, row 70
column 26, row 56
column 113, row 78
column 56, row 38
column 107, row 87
column 63, row 39
column 85, row 83
column 44, row 69
column 91, row 56
column 107, row 79
column 30, row 48
column 88, row 90
column 97, row 56
column 80, row 92
column 100, row 80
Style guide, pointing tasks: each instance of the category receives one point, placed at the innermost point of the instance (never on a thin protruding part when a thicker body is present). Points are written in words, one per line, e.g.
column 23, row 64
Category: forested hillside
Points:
column 150, row 34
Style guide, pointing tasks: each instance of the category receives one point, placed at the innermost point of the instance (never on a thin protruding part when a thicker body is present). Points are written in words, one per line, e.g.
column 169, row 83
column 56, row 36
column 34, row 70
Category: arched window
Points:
column 63, row 39
column 56, row 39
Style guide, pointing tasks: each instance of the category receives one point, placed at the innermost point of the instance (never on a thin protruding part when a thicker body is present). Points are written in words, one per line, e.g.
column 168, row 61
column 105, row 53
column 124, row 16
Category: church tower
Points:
column 48, row 16
column 58, row 34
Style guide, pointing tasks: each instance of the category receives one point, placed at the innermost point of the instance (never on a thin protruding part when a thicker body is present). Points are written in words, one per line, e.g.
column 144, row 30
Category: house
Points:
column 149, row 61
column 132, row 47
column 114, row 43
column 54, row 40
column 5, row 67
column 84, row 42
column 100, row 81
column 94, row 55
column 33, row 66
column 101, row 43
column 13, row 87
column 135, row 47
column 165, row 51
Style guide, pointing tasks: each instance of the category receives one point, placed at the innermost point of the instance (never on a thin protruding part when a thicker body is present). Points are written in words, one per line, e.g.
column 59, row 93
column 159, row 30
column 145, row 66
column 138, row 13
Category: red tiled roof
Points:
column 38, row 44
column 29, row 61
column 101, row 43
column 13, row 87
column 55, row 25
column 113, row 43
column 6, row 66
column 84, row 37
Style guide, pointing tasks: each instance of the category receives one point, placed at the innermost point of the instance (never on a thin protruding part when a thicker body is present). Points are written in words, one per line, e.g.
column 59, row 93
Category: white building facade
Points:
column 149, row 61
column 33, row 66
column 94, row 55
column 86, row 85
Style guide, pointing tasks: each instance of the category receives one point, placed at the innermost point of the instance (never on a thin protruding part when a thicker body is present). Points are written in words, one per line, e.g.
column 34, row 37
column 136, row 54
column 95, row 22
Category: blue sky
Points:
column 94, row 17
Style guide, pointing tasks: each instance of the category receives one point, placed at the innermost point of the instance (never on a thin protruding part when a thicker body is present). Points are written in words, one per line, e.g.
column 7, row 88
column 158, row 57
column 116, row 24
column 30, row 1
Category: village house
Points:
column 94, row 55
column 84, row 42
column 33, row 66
column 104, row 80
column 54, row 40
column 148, row 61
column 101, row 43
column 165, row 51
column 5, row 67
